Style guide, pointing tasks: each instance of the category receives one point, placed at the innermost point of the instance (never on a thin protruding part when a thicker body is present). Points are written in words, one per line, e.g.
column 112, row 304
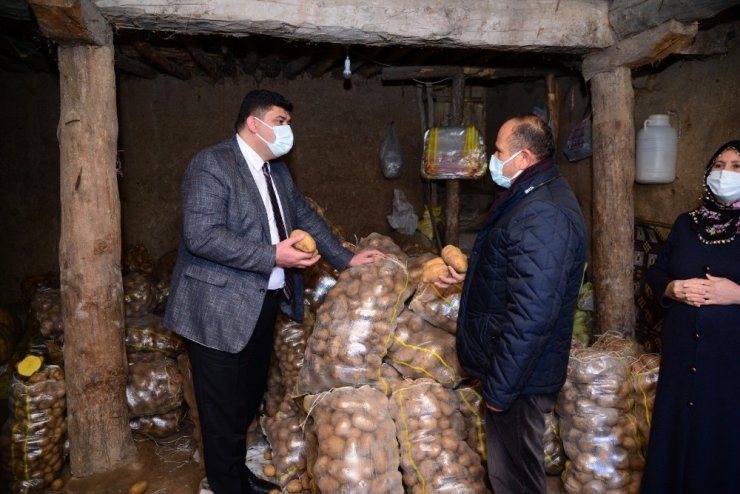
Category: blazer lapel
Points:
column 253, row 192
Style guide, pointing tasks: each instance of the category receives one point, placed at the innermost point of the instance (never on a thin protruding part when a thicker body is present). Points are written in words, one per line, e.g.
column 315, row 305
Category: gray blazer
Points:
column 226, row 256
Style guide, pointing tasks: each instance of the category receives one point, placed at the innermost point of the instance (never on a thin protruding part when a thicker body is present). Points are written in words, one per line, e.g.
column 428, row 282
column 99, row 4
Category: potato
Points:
column 433, row 269
column 306, row 244
column 269, row 470
column 139, row 487
column 454, row 257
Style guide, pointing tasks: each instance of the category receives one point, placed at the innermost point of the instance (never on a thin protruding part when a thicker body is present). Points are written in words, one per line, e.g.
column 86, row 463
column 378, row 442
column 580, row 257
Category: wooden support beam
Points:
column 156, row 59
column 628, row 17
column 71, row 22
column 553, row 105
column 439, row 71
column 712, row 41
column 205, row 62
column 90, row 262
column 642, row 49
column 452, row 187
column 134, row 67
column 612, row 101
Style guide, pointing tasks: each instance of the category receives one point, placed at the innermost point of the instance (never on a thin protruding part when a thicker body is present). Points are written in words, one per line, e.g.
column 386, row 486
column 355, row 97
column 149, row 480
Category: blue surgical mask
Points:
column 496, row 167
column 283, row 139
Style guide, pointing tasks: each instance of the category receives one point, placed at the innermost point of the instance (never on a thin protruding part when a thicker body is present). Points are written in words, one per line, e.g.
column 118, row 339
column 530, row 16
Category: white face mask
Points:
column 283, row 139
column 725, row 185
column 496, row 167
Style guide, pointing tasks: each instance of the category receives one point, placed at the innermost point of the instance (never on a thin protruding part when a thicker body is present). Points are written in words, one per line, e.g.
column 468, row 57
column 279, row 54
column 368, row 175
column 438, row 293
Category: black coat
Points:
column 695, row 429
column 515, row 322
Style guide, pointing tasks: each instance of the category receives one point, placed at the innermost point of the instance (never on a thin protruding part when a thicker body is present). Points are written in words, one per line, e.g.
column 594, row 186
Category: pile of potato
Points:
column 420, row 350
column 146, row 334
column 644, row 375
column 354, row 326
column 284, row 433
column 155, row 384
column 137, row 259
column 392, row 379
column 436, row 306
column 384, row 244
column 46, row 314
column 473, row 412
column 599, row 434
column 290, row 347
column 415, row 266
column 158, row 426
column 431, row 432
column 554, row 459
column 319, row 279
column 355, row 442
column 139, row 295
column 32, row 440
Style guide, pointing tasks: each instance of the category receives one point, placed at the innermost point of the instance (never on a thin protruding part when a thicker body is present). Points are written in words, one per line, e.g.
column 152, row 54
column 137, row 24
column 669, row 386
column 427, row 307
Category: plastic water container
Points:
column 656, row 151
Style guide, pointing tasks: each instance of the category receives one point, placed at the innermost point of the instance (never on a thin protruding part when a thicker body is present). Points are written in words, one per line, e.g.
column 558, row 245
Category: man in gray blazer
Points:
column 236, row 267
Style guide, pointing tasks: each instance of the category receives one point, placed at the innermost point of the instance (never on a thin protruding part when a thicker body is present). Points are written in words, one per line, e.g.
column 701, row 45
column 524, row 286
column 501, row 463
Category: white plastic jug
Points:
column 655, row 158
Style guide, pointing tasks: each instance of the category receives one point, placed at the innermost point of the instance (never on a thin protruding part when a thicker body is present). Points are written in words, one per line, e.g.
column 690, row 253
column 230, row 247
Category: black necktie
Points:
column 288, row 288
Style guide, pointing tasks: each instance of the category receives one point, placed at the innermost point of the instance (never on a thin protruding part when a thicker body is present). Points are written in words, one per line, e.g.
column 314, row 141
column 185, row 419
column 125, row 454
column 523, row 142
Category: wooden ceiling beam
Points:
column 134, row 67
column 645, row 48
column 629, row 17
column 440, row 71
column 204, row 61
column 72, row 22
column 156, row 59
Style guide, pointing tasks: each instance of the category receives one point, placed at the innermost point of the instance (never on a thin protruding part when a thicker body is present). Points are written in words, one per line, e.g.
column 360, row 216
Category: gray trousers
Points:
column 515, row 449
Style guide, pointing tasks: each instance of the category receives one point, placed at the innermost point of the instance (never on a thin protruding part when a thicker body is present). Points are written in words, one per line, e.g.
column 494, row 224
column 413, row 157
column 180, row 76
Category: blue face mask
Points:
column 496, row 167
column 283, row 139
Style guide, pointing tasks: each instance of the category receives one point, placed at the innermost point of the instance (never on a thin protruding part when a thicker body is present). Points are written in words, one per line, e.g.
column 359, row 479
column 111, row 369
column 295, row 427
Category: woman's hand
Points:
column 711, row 290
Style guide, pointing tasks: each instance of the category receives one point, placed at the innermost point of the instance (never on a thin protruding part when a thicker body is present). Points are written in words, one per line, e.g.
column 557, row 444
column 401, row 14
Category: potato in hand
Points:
column 306, row 244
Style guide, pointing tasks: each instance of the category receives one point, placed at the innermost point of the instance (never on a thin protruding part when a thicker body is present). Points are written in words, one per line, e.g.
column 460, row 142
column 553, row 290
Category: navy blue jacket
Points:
column 515, row 322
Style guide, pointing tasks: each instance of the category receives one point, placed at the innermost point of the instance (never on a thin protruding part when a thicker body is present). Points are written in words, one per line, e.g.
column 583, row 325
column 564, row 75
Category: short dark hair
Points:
column 532, row 133
column 258, row 102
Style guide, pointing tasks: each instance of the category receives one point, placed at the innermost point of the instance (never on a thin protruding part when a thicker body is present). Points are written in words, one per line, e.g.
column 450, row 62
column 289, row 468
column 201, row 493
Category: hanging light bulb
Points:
column 347, row 70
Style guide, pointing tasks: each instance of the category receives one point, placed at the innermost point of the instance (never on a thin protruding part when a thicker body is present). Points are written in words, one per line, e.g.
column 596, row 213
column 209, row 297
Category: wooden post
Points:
column 452, row 226
column 90, row 244
column 613, row 203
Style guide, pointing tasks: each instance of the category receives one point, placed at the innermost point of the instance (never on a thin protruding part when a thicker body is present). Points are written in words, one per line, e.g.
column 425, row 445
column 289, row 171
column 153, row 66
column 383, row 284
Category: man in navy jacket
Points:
column 515, row 322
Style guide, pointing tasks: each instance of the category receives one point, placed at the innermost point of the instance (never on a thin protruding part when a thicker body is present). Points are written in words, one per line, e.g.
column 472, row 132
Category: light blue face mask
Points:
column 496, row 167
column 283, row 139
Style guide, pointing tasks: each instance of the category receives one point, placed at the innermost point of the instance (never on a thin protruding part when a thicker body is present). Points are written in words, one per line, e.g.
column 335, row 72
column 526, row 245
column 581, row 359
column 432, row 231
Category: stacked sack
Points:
column 600, row 436
column 32, row 443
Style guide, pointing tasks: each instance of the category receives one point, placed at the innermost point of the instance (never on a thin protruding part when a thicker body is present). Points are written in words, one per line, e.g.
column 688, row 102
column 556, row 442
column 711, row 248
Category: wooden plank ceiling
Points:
column 148, row 54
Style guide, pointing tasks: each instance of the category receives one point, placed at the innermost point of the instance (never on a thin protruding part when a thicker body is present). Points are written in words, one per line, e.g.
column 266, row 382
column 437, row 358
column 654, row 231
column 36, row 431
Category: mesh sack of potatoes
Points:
column 274, row 392
column 474, row 413
column 162, row 275
column 31, row 284
column 155, row 384
column 45, row 314
column 392, row 379
column 284, row 433
column 318, row 280
column 354, row 326
column 146, row 334
column 290, row 346
column 435, row 458
column 139, row 295
column 355, row 442
column 644, row 376
column 420, row 350
column 137, row 259
column 437, row 306
column 600, row 436
column 32, row 440
column 554, row 456
column 383, row 243
column 158, row 426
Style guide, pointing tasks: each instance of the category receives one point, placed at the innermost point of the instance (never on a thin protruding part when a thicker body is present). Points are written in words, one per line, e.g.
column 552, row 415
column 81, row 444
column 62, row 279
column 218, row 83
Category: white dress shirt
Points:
column 254, row 163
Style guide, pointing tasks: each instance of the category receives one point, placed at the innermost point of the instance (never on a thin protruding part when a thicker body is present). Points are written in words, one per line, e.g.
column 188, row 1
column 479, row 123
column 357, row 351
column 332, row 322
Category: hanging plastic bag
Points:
column 578, row 145
column 403, row 219
column 390, row 153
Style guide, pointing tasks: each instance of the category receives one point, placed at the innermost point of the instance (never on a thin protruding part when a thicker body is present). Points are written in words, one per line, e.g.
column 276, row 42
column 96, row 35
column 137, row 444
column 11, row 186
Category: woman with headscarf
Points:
column 694, row 442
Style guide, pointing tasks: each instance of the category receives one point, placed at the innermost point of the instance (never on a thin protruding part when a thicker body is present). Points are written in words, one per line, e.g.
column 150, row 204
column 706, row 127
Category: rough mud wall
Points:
column 163, row 123
column 706, row 95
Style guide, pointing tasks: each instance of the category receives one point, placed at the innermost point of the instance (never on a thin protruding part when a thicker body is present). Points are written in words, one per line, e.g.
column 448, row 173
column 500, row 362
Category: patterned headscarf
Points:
column 714, row 221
